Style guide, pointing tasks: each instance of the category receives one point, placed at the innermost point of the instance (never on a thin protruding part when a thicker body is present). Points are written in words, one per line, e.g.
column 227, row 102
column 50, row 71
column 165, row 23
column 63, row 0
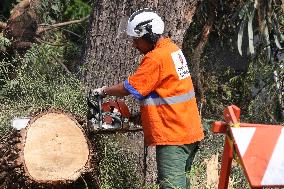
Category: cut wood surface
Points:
column 55, row 148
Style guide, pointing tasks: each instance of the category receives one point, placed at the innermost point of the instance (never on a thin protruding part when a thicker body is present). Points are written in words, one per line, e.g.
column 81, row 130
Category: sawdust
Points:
column 212, row 172
column 212, row 175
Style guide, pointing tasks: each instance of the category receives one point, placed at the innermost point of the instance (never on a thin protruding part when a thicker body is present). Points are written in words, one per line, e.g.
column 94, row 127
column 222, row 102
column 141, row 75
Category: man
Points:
column 163, row 85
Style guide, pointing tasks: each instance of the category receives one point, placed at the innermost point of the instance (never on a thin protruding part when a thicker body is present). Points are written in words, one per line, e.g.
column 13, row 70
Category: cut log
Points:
column 55, row 148
column 52, row 151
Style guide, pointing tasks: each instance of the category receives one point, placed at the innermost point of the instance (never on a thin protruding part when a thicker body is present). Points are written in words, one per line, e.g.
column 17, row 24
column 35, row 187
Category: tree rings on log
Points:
column 55, row 148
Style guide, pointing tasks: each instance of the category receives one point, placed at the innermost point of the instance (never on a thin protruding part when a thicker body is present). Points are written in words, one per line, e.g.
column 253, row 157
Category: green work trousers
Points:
column 173, row 163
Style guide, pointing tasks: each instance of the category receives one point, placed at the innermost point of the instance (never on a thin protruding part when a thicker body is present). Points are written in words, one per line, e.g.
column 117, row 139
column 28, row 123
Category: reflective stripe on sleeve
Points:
column 168, row 100
column 133, row 91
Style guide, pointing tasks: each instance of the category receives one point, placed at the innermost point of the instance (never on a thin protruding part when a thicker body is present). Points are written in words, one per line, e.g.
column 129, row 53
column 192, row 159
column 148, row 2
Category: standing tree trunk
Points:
column 109, row 59
column 199, row 49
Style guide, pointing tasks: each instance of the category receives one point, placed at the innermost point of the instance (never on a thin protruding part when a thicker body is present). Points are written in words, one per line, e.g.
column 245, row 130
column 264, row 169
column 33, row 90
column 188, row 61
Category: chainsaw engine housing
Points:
column 111, row 115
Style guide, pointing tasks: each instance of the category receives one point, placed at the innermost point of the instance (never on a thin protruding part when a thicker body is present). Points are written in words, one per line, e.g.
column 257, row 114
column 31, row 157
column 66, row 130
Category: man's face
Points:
column 142, row 45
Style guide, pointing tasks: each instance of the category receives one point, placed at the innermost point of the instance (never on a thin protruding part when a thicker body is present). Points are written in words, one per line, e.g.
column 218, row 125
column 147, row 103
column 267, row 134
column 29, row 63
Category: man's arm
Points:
column 116, row 90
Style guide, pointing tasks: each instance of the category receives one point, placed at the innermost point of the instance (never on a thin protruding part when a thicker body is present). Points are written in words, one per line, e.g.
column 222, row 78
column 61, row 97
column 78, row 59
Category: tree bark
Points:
column 109, row 59
column 199, row 49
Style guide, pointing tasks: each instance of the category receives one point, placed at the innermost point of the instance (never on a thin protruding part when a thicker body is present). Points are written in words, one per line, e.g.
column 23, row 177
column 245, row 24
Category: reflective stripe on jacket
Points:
column 164, row 87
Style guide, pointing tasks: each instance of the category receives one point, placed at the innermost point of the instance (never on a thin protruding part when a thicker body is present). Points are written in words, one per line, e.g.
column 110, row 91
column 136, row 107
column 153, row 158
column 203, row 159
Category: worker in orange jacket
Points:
column 163, row 85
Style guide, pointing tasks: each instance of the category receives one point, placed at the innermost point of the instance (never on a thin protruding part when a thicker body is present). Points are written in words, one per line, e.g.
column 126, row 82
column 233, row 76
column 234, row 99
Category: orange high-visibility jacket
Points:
column 164, row 87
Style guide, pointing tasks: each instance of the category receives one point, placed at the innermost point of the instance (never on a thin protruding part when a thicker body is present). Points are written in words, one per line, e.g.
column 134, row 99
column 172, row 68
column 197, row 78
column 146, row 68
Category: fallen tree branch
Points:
column 46, row 27
column 20, row 8
column 3, row 25
column 22, row 44
column 62, row 65
column 69, row 31
column 48, row 43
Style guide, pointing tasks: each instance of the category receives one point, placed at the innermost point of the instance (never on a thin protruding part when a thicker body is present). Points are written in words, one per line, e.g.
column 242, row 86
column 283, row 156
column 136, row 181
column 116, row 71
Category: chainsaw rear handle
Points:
column 95, row 94
column 91, row 97
column 100, row 112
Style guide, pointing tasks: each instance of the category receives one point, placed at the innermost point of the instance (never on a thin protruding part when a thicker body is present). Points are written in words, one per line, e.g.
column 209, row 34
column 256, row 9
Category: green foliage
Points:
column 4, row 66
column 62, row 10
column 257, row 30
column 40, row 82
column 4, row 42
column 78, row 9
column 224, row 86
column 51, row 12
column 262, row 94
column 246, row 14
column 119, row 167
column 251, row 87
column 265, row 40
column 265, row 26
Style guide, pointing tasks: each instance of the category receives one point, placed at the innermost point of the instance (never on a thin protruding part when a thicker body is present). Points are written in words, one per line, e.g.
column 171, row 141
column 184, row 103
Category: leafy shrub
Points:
column 39, row 82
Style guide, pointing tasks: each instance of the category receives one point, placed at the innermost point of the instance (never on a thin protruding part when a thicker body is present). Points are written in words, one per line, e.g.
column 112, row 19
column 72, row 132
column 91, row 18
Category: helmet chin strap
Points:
column 153, row 37
column 148, row 28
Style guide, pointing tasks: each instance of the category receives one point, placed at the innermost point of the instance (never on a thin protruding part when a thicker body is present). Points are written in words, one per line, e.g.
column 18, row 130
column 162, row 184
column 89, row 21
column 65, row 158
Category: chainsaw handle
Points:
column 100, row 99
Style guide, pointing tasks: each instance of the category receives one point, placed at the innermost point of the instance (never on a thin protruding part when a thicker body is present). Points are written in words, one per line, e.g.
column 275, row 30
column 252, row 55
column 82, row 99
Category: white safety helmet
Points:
column 141, row 19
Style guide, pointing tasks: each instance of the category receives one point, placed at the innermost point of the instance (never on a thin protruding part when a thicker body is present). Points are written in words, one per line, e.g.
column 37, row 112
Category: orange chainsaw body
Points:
column 112, row 106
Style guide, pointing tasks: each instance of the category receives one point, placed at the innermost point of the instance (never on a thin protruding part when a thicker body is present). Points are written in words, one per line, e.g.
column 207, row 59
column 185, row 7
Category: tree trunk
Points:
column 198, row 51
column 52, row 151
column 109, row 59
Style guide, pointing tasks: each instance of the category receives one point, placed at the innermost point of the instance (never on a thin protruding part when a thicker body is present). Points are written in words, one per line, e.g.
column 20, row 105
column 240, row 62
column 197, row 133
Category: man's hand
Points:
column 99, row 91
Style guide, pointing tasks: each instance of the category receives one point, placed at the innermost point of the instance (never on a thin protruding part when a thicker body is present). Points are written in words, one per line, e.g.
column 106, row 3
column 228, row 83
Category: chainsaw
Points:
column 108, row 117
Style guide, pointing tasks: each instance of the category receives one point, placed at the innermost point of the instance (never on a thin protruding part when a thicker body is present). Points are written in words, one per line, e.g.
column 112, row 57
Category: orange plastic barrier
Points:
column 259, row 148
